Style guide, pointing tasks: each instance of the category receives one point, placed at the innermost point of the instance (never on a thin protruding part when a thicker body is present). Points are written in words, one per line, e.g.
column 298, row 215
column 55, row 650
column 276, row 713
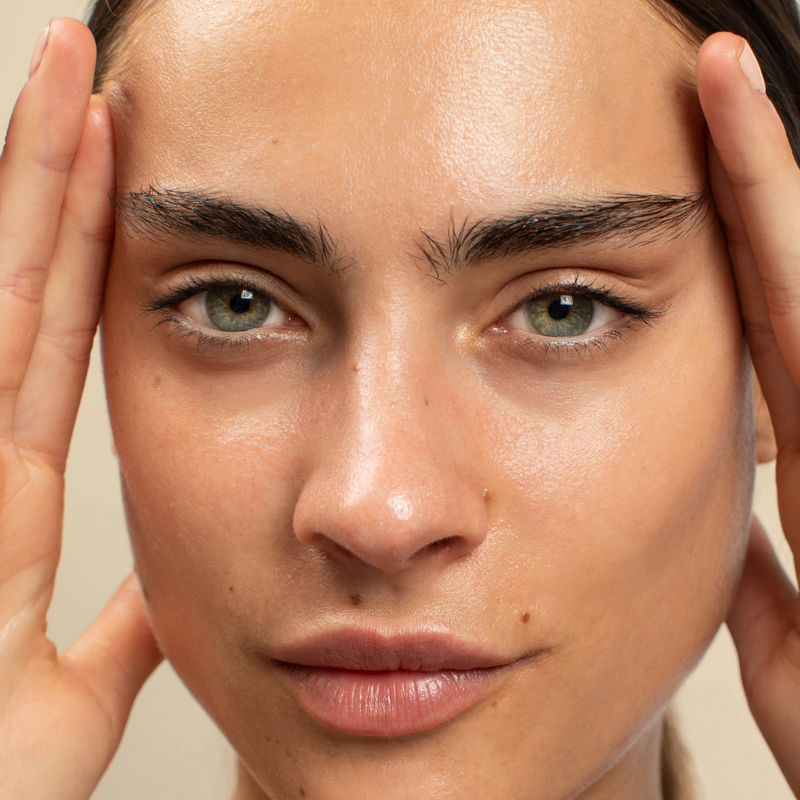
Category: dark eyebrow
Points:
column 633, row 218
column 155, row 212
column 623, row 218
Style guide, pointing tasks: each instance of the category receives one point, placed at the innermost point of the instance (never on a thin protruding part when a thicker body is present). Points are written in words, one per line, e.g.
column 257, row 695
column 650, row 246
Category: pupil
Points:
column 239, row 304
column 558, row 310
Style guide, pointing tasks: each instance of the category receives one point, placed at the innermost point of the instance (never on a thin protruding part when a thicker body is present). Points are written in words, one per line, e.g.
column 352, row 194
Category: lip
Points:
column 370, row 683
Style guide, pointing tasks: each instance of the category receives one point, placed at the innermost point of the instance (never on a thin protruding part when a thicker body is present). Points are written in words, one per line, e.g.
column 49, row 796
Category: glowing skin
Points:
column 405, row 453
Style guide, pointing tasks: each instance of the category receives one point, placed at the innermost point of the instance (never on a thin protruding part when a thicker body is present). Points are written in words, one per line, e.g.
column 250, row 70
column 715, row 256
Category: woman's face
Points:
column 423, row 352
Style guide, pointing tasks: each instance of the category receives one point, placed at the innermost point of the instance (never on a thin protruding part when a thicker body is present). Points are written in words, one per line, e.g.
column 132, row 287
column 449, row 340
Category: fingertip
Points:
column 100, row 124
column 72, row 38
column 67, row 65
column 717, row 61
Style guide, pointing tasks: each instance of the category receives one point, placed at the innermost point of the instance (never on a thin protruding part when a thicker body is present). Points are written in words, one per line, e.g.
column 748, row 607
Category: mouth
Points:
column 367, row 683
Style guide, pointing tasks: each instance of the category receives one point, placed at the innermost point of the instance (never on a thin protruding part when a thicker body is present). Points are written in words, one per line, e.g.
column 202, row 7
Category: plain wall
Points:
column 171, row 750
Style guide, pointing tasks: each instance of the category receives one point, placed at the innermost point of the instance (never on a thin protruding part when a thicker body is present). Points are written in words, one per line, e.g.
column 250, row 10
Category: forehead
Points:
column 363, row 106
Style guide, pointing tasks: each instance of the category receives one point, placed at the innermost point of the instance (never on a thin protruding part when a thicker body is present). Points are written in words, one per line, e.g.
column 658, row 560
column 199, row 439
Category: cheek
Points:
column 633, row 509
column 618, row 512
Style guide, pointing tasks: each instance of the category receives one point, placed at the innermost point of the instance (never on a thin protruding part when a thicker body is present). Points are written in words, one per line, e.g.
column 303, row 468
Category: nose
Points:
column 394, row 482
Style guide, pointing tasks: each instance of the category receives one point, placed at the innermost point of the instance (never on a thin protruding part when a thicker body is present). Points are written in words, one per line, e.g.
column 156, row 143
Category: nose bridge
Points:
column 388, row 417
column 392, row 476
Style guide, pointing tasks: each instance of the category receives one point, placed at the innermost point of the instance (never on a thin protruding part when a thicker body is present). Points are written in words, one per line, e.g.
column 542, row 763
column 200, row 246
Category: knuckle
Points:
column 737, row 236
column 51, row 159
column 26, row 283
column 73, row 344
column 760, row 336
column 782, row 297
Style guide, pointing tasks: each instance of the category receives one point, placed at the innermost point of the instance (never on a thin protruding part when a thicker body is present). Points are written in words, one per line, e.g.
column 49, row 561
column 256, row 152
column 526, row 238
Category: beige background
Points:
column 171, row 750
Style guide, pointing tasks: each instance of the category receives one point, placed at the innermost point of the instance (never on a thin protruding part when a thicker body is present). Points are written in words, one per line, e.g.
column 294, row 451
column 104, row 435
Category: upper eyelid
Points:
column 193, row 285
column 589, row 289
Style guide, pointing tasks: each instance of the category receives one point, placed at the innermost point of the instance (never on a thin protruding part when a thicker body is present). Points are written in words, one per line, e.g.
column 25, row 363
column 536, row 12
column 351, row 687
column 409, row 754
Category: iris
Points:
column 562, row 315
column 234, row 309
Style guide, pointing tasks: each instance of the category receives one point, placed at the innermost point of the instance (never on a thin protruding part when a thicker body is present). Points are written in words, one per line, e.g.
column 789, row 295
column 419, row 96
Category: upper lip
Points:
column 376, row 650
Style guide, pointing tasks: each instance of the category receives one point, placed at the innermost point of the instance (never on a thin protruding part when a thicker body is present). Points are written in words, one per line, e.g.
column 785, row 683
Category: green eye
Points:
column 562, row 315
column 232, row 309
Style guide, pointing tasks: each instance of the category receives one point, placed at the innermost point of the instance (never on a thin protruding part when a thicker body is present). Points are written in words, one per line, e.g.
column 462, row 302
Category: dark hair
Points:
column 772, row 27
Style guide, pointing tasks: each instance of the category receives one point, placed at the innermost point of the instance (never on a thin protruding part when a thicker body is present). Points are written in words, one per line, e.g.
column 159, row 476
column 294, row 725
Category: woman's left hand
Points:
column 756, row 185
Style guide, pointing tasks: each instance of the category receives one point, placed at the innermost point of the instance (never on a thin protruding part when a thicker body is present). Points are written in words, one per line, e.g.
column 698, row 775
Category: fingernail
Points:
column 38, row 51
column 750, row 68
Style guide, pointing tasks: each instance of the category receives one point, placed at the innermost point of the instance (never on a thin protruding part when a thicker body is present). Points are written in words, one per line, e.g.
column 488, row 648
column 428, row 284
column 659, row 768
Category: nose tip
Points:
column 389, row 527
column 392, row 478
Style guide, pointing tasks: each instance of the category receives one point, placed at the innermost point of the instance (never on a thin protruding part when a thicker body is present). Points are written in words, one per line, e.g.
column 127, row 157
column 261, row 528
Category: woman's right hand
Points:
column 61, row 715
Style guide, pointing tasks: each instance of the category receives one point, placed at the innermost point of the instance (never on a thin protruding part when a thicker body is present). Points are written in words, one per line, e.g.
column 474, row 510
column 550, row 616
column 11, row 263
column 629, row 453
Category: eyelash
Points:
column 560, row 348
column 207, row 344
column 214, row 344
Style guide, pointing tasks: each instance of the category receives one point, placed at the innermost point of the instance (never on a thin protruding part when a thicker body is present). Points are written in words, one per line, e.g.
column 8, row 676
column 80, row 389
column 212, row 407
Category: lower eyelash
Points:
column 574, row 351
column 212, row 345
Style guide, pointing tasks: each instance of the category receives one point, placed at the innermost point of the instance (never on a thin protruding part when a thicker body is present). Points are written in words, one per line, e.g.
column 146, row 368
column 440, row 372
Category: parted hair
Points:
column 772, row 27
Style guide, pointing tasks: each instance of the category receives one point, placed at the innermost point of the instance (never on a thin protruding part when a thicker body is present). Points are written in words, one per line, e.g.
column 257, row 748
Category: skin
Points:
column 399, row 439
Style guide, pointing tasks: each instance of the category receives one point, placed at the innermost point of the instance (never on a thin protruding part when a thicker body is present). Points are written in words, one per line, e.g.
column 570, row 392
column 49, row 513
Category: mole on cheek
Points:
column 355, row 599
column 526, row 616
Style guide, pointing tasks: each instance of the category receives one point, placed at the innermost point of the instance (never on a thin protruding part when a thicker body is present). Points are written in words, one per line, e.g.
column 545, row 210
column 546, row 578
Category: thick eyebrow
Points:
column 155, row 212
column 623, row 219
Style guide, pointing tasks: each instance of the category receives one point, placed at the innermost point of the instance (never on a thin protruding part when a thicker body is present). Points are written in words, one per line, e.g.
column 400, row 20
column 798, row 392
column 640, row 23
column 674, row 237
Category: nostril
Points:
column 442, row 545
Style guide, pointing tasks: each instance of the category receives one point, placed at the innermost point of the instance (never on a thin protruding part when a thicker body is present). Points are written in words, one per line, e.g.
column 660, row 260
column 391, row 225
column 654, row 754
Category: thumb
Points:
column 117, row 654
column 763, row 612
column 763, row 624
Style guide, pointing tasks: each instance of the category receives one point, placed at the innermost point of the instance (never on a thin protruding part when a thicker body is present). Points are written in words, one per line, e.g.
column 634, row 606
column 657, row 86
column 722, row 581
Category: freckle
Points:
column 302, row 792
column 274, row 141
column 487, row 497
column 427, row 403
column 355, row 599
column 231, row 589
column 157, row 383
column 355, row 367
column 494, row 704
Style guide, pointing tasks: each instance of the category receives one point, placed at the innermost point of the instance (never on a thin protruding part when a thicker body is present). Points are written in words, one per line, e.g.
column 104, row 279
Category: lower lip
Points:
column 392, row 703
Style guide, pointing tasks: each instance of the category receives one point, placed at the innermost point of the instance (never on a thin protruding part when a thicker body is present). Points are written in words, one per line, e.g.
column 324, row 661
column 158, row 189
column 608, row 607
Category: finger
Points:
column 757, row 190
column 752, row 146
column 48, row 400
column 116, row 655
column 45, row 130
column 762, row 622
column 777, row 383
column 763, row 612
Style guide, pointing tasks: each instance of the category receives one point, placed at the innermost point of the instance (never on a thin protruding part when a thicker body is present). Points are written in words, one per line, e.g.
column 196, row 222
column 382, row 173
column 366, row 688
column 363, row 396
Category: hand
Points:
column 756, row 186
column 61, row 716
